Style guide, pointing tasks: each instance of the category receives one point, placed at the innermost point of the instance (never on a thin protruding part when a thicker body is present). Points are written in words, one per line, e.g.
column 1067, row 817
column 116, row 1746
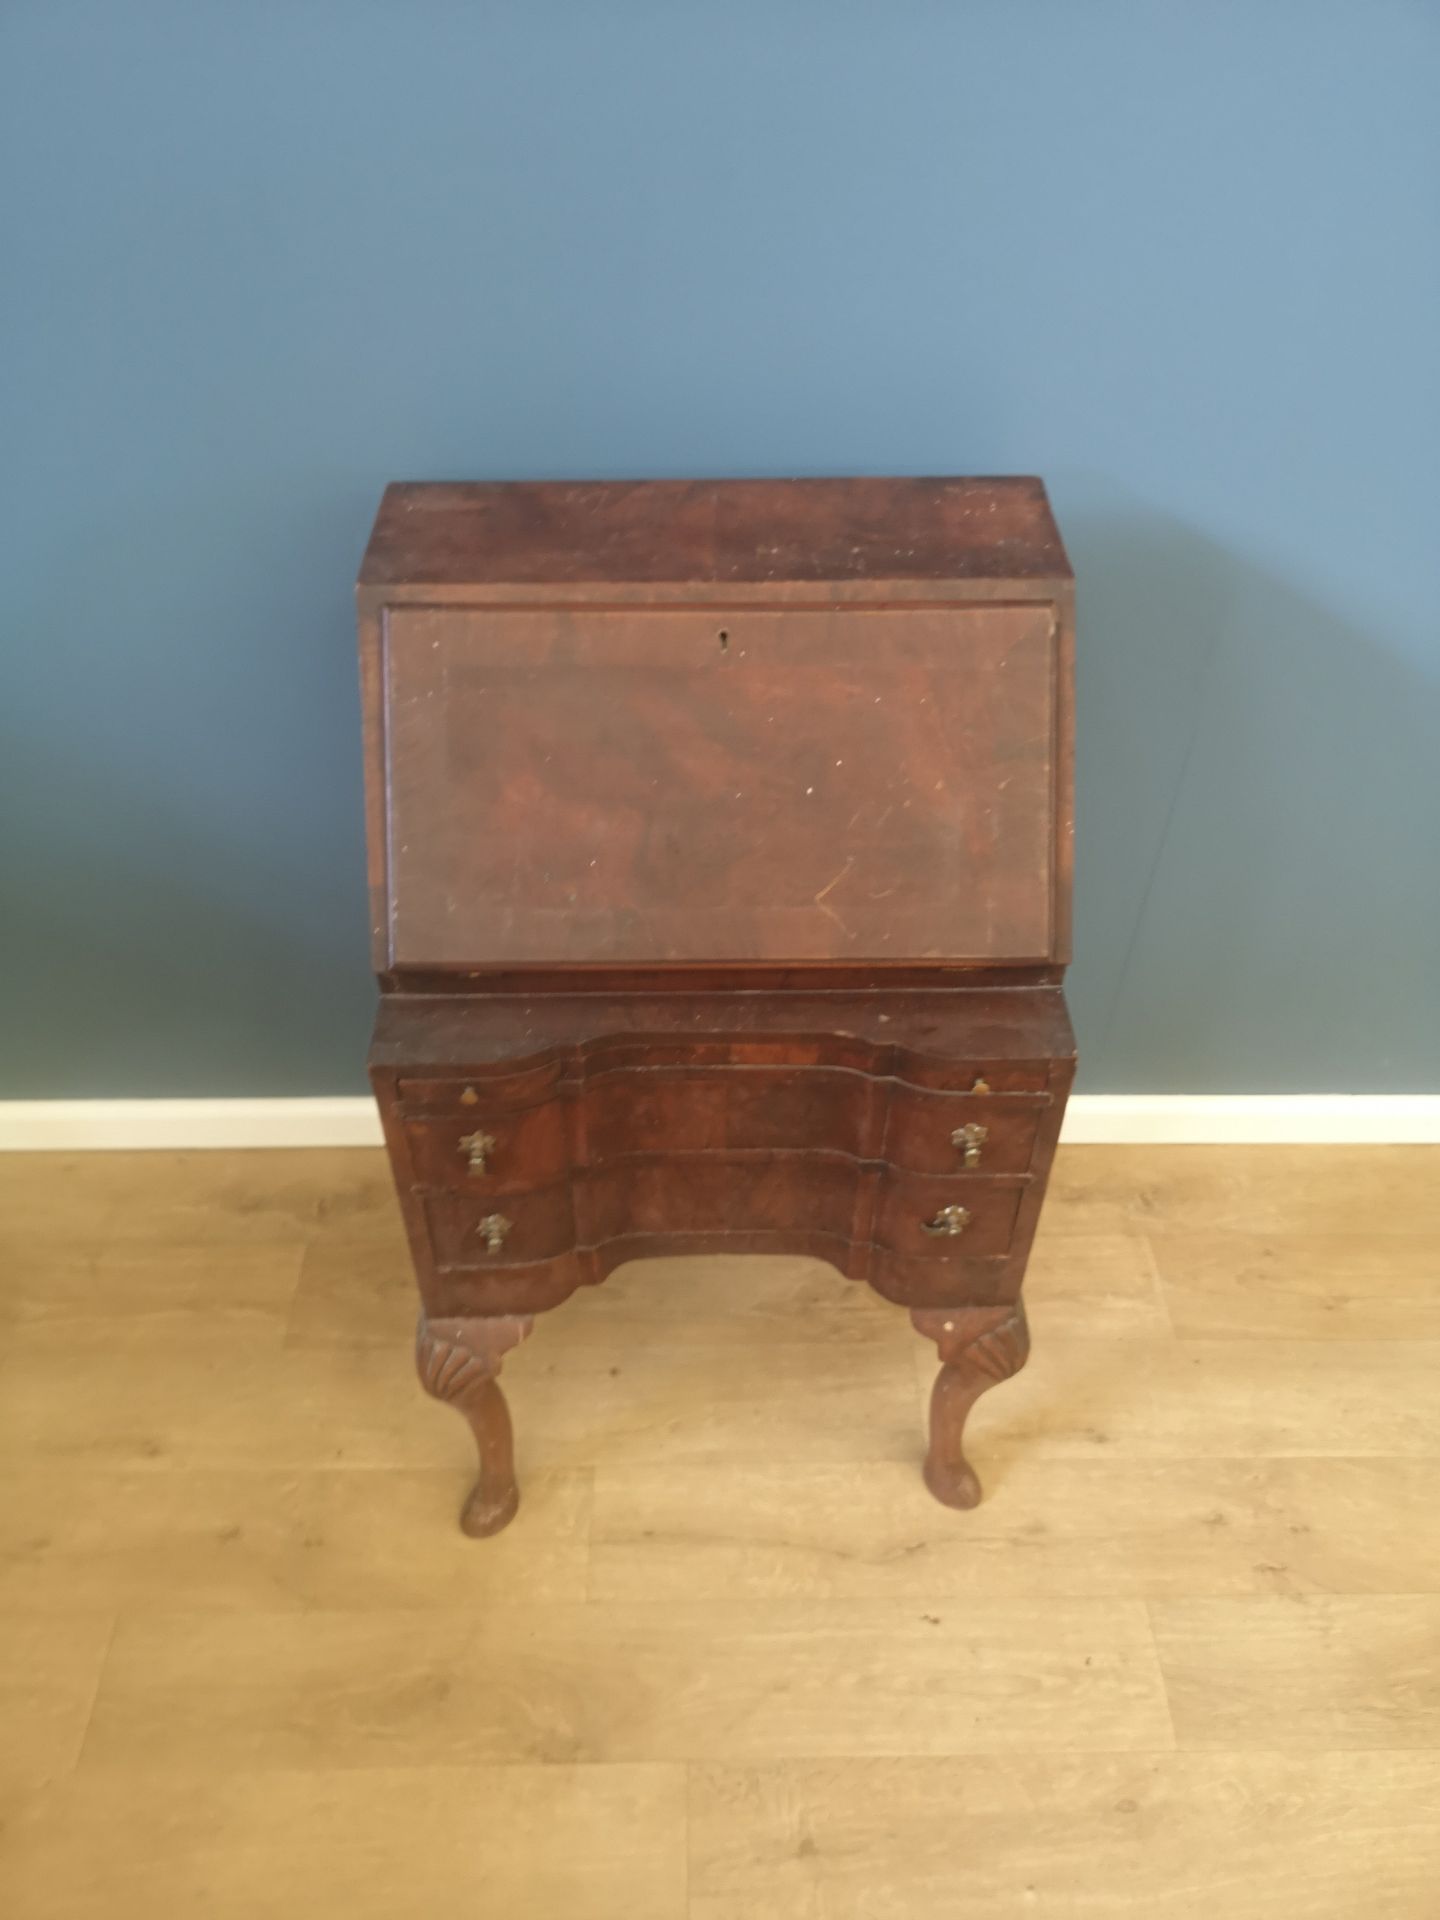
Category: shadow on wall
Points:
column 1248, row 765
column 172, row 963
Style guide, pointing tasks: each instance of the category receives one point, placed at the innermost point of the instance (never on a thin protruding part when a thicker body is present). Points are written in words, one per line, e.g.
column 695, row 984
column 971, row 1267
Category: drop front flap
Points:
column 654, row 784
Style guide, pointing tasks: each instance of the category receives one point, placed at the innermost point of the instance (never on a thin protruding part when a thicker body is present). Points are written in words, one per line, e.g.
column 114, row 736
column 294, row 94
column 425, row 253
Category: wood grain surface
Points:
column 653, row 786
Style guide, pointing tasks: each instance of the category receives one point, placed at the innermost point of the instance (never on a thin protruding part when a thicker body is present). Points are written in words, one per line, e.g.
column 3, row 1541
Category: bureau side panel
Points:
column 370, row 622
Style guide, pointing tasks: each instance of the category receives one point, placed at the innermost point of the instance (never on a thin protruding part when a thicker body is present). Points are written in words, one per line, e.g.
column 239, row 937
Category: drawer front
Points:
column 462, row 1094
column 507, row 1230
column 490, row 1150
column 946, row 1219
column 753, row 1109
column 978, row 1077
column 943, row 1133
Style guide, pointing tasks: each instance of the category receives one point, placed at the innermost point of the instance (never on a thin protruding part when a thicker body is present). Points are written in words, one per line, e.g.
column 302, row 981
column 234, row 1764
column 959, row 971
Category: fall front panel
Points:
column 666, row 784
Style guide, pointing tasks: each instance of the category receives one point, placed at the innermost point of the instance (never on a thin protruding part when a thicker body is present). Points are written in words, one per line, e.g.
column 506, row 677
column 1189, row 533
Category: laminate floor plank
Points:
column 1250, row 1836
column 57, row 1202
column 1179, row 1399
column 343, row 1193
column 503, row 1843
column 1067, row 1528
column 140, row 1297
column 560, row 1683
column 1094, row 1286
column 213, row 1402
column 49, row 1670
column 1301, row 1286
column 1308, row 1671
column 1380, row 1190
column 243, row 1538
column 634, row 1401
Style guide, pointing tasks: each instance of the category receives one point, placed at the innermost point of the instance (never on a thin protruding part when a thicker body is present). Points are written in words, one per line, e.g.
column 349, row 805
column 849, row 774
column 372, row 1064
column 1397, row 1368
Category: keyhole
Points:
column 724, row 639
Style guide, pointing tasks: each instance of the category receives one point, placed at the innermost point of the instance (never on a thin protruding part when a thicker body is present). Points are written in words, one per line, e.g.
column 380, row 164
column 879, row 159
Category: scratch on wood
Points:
column 820, row 897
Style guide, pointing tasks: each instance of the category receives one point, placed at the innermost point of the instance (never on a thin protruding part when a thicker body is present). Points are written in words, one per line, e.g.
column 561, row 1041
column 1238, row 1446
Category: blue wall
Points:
column 1182, row 259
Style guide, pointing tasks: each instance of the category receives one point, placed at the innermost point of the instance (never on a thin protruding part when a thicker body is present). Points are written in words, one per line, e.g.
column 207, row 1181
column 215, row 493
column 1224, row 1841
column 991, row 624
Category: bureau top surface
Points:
column 740, row 533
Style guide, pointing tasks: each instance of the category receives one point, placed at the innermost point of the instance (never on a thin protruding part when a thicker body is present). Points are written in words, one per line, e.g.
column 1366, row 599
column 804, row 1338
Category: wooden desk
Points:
column 720, row 846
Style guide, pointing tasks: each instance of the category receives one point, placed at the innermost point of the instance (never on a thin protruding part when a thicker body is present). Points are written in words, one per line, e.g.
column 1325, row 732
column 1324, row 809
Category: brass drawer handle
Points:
column 969, row 1139
column 478, row 1146
column 492, row 1230
column 947, row 1220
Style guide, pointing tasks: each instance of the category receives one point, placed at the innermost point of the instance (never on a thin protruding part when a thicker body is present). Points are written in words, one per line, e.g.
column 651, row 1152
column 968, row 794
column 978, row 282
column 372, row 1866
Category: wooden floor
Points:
column 731, row 1661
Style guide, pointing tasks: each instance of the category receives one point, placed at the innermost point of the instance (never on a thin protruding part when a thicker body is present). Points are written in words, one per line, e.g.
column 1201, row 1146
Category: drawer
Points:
column 490, row 1150
column 910, row 1206
column 507, row 1230
column 468, row 1093
column 977, row 1077
column 715, row 1109
column 960, row 1134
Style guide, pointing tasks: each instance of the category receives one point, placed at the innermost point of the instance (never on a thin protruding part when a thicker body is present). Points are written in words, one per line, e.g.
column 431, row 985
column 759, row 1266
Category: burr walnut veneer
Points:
column 720, row 847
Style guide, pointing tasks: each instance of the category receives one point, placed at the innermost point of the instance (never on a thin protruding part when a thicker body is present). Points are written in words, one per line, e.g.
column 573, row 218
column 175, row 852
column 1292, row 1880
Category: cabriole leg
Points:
column 978, row 1346
column 459, row 1361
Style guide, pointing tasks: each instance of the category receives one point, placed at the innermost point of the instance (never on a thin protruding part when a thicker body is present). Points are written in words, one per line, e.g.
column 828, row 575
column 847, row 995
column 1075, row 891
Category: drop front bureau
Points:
column 720, row 853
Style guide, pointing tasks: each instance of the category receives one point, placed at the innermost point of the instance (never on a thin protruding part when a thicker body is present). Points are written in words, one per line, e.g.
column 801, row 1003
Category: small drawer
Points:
column 977, row 1077
column 507, row 1230
column 490, row 1150
column 462, row 1094
column 947, row 1219
column 950, row 1133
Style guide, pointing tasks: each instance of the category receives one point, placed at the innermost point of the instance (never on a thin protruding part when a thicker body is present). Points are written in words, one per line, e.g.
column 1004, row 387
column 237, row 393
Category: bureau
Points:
column 720, row 850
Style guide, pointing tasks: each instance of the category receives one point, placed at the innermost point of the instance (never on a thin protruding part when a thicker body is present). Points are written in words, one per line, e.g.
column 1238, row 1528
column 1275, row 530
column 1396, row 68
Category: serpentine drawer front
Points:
column 720, row 842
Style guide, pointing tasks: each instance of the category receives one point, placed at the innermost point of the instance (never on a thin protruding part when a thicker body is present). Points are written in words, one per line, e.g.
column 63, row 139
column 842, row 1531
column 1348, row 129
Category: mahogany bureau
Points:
column 720, row 850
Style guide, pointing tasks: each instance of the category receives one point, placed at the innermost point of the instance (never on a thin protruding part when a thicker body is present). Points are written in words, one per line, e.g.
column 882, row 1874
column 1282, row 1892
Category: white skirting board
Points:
column 1093, row 1119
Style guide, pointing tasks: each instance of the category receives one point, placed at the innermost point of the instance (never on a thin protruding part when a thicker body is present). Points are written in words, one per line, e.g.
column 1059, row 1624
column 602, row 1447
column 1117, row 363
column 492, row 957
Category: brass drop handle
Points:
column 492, row 1230
column 969, row 1139
column 478, row 1146
column 947, row 1220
